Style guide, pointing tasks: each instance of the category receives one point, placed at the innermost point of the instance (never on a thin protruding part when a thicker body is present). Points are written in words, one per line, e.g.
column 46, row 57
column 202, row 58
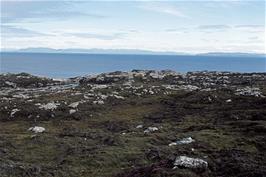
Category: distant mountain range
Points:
column 94, row 51
column 236, row 54
column 129, row 51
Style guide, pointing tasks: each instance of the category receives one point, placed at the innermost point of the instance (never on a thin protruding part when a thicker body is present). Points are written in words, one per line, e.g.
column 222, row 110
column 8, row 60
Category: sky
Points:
column 180, row 26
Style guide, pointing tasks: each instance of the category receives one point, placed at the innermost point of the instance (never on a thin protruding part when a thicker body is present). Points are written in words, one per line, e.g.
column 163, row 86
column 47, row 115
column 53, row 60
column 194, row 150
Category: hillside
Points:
column 132, row 124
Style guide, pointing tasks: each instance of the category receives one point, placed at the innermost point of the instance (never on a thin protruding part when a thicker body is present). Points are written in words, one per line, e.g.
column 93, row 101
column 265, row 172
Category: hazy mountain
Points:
column 130, row 51
column 233, row 54
column 96, row 51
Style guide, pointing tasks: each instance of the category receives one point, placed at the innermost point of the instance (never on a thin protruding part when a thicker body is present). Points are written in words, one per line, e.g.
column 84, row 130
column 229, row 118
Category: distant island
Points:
column 129, row 52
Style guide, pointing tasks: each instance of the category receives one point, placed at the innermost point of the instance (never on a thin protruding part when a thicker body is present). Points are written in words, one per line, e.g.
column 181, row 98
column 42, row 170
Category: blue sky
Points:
column 180, row 26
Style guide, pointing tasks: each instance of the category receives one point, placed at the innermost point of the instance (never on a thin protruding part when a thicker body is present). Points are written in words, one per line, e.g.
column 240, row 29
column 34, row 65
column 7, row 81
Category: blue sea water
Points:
column 69, row 65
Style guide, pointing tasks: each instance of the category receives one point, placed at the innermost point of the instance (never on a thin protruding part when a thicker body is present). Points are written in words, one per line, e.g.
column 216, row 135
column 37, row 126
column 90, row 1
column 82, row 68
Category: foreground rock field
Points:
column 134, row 124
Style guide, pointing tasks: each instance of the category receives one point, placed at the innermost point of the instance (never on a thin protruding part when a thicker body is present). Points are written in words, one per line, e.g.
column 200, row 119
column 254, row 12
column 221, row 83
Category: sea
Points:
column 65, row 65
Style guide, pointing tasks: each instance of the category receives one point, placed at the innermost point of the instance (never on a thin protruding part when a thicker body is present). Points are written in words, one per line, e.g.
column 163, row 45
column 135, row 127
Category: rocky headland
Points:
column 132, row 124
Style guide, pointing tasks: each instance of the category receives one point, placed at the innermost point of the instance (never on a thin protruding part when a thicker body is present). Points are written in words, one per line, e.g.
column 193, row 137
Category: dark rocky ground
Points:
column 215, row 122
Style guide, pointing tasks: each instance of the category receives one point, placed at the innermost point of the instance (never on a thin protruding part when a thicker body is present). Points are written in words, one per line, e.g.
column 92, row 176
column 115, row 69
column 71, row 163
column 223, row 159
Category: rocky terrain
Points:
column 134, row 124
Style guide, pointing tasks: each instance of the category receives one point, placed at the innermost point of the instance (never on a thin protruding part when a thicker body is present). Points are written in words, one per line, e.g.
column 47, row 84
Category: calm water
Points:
column 69, row 65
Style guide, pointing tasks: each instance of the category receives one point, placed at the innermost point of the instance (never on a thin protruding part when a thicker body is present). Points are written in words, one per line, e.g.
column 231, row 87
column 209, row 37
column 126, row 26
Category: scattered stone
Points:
column 182, row 141
column 72, row 111
column 172, row 144
column 187, row 162
column 156, row 75
column 74, row 105
column 21, row 96
column 249, row 91
column 103, row 97
column 139, row 126
column 49, row 106
column 10, row 84
column 119, row 97
column 13, row 112
column 151, row 92
column 151, row 129
column 228, row 101
column 36, row 129
column 98, row 102
column 189, row 87
column 99, row 87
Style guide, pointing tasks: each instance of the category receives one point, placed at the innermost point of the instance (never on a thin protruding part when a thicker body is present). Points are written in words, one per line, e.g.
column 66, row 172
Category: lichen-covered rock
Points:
column 151, row 129
column 182, row 141
column 228, row 101
column 72, row 111
column 74, row 105
column 13, row 112
column 98, row 102
column 36, row 129
column 49, row 106
column 188, row 162
column 249, row 91
column 24, row 80
column 139, row 126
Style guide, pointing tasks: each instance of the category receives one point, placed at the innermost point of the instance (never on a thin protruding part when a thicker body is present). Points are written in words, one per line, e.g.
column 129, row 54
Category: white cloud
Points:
column 213, row 27
column 123, row 31
column 163, row 8
column 105, row 36
column 40, row 11
column 219, row 41
column 10, row 31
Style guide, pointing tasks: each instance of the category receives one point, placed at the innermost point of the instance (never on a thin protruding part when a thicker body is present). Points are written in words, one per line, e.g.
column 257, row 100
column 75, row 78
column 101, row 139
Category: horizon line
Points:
column 134, row 51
